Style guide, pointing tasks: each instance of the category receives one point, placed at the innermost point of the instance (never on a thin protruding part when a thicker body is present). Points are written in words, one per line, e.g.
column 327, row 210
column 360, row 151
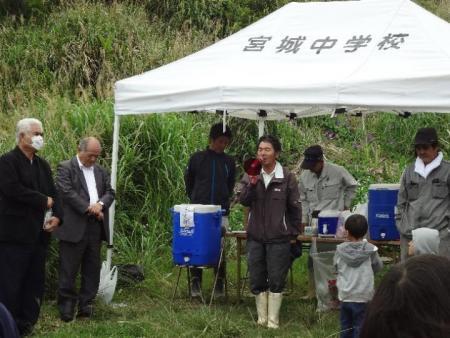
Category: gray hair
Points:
column 82, row 146
column 24, row 126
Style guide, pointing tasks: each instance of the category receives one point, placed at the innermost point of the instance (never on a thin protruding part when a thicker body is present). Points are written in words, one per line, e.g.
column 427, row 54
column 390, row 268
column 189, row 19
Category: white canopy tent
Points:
column 305, row 59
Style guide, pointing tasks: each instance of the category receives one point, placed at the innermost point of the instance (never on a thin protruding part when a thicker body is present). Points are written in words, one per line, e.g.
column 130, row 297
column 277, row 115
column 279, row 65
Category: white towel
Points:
column 424, row 170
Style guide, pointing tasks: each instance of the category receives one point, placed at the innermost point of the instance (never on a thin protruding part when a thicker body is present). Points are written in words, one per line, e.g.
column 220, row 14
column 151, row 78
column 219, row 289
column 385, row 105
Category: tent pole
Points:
column 260, row 128
column 224, row 121
column 115, row 151
column 112, row 208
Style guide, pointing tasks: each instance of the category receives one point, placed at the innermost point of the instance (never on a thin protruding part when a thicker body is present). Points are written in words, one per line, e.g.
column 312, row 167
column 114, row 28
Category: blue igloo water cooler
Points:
column 327, row 223
column 196, row 234
column 381, row 211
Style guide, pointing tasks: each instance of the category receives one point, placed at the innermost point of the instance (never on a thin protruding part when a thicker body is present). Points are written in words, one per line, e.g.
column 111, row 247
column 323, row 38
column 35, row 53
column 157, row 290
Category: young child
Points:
column 424, row 241
column 356, row 261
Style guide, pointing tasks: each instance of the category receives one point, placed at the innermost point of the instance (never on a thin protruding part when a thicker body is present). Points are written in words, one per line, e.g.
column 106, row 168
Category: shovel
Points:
column 108, row 275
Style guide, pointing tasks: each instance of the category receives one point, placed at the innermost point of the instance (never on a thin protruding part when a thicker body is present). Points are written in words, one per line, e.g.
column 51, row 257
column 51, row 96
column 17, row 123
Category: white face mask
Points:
column 37, row 142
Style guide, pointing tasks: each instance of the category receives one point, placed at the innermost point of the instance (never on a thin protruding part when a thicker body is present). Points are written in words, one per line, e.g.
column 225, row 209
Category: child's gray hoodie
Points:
column 426, row 241
column 355, row 264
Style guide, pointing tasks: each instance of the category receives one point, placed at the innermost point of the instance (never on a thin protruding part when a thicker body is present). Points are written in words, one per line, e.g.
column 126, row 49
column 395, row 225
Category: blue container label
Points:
column 187, row 231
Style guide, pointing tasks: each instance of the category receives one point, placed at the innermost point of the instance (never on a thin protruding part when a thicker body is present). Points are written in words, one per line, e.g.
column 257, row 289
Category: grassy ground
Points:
column 146, row 310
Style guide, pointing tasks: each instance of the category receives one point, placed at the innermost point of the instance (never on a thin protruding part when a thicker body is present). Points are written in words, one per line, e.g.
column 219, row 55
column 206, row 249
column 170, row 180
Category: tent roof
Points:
column 308, row 59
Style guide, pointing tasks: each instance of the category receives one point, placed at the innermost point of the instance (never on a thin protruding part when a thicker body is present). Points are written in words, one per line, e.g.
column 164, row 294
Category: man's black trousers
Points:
column 22, row 281
column 268, row 265
column 84, row 255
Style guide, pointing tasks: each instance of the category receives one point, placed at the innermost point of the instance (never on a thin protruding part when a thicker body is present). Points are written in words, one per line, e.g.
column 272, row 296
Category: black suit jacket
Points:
column 23, row 198
column 74, row 192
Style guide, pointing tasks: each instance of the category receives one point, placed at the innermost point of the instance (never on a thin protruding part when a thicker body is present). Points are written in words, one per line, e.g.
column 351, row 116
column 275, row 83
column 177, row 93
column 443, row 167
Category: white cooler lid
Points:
column 197, row 208
column 329, row 213
column 384, row 186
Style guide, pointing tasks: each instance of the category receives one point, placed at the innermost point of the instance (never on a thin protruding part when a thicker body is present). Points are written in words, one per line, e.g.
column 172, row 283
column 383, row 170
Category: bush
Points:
column 80, row 51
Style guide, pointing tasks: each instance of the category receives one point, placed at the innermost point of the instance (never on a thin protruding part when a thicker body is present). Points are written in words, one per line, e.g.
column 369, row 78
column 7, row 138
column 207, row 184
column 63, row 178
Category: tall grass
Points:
column 81, row 50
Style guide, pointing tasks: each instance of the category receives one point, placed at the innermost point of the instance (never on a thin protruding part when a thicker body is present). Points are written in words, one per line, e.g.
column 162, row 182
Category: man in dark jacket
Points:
column 29, row 212
column 210, row 179
column 275, row 217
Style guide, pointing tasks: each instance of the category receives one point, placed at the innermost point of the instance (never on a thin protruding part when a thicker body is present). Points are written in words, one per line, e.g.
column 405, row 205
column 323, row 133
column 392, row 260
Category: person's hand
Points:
column 411, row 248
column 95, row 209
column 100, row 216
column 253, row 179
column 50, row 202
column 52, row 224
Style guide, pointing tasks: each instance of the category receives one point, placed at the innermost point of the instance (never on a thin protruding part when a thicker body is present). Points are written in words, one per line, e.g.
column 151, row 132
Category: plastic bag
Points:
column 361, row 209
column 340, row 231
column 325, row 279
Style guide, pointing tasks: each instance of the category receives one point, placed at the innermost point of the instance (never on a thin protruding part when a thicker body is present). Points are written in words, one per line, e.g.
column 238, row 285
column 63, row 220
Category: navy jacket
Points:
column 23, row 198
column 210, row 178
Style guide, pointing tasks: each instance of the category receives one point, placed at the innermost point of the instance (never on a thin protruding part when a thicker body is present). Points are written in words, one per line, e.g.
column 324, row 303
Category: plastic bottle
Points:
column 48, row 215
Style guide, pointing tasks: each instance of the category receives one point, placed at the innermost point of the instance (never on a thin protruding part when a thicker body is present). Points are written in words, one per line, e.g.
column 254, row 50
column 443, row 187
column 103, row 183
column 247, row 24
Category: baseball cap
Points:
column 312, row 155
column 426, row 136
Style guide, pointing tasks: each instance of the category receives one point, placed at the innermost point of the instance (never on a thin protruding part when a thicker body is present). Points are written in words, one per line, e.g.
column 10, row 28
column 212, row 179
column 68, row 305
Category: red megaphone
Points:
column 252, row 167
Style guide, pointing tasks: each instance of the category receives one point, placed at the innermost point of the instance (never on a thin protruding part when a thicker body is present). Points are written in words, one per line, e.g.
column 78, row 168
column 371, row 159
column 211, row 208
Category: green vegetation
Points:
column 59, row 60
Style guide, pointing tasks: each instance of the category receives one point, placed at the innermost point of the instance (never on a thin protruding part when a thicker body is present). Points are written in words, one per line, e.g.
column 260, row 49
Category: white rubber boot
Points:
column 261, row 308
column 274, row 305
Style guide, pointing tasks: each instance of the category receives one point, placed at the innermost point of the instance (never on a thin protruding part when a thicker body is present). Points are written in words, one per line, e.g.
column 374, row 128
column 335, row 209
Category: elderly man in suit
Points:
column 86, row 192
column 27, row 199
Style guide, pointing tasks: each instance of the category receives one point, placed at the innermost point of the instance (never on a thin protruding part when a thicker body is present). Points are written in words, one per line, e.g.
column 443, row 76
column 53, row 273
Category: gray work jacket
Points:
column 424, row 202
column 333, row 190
